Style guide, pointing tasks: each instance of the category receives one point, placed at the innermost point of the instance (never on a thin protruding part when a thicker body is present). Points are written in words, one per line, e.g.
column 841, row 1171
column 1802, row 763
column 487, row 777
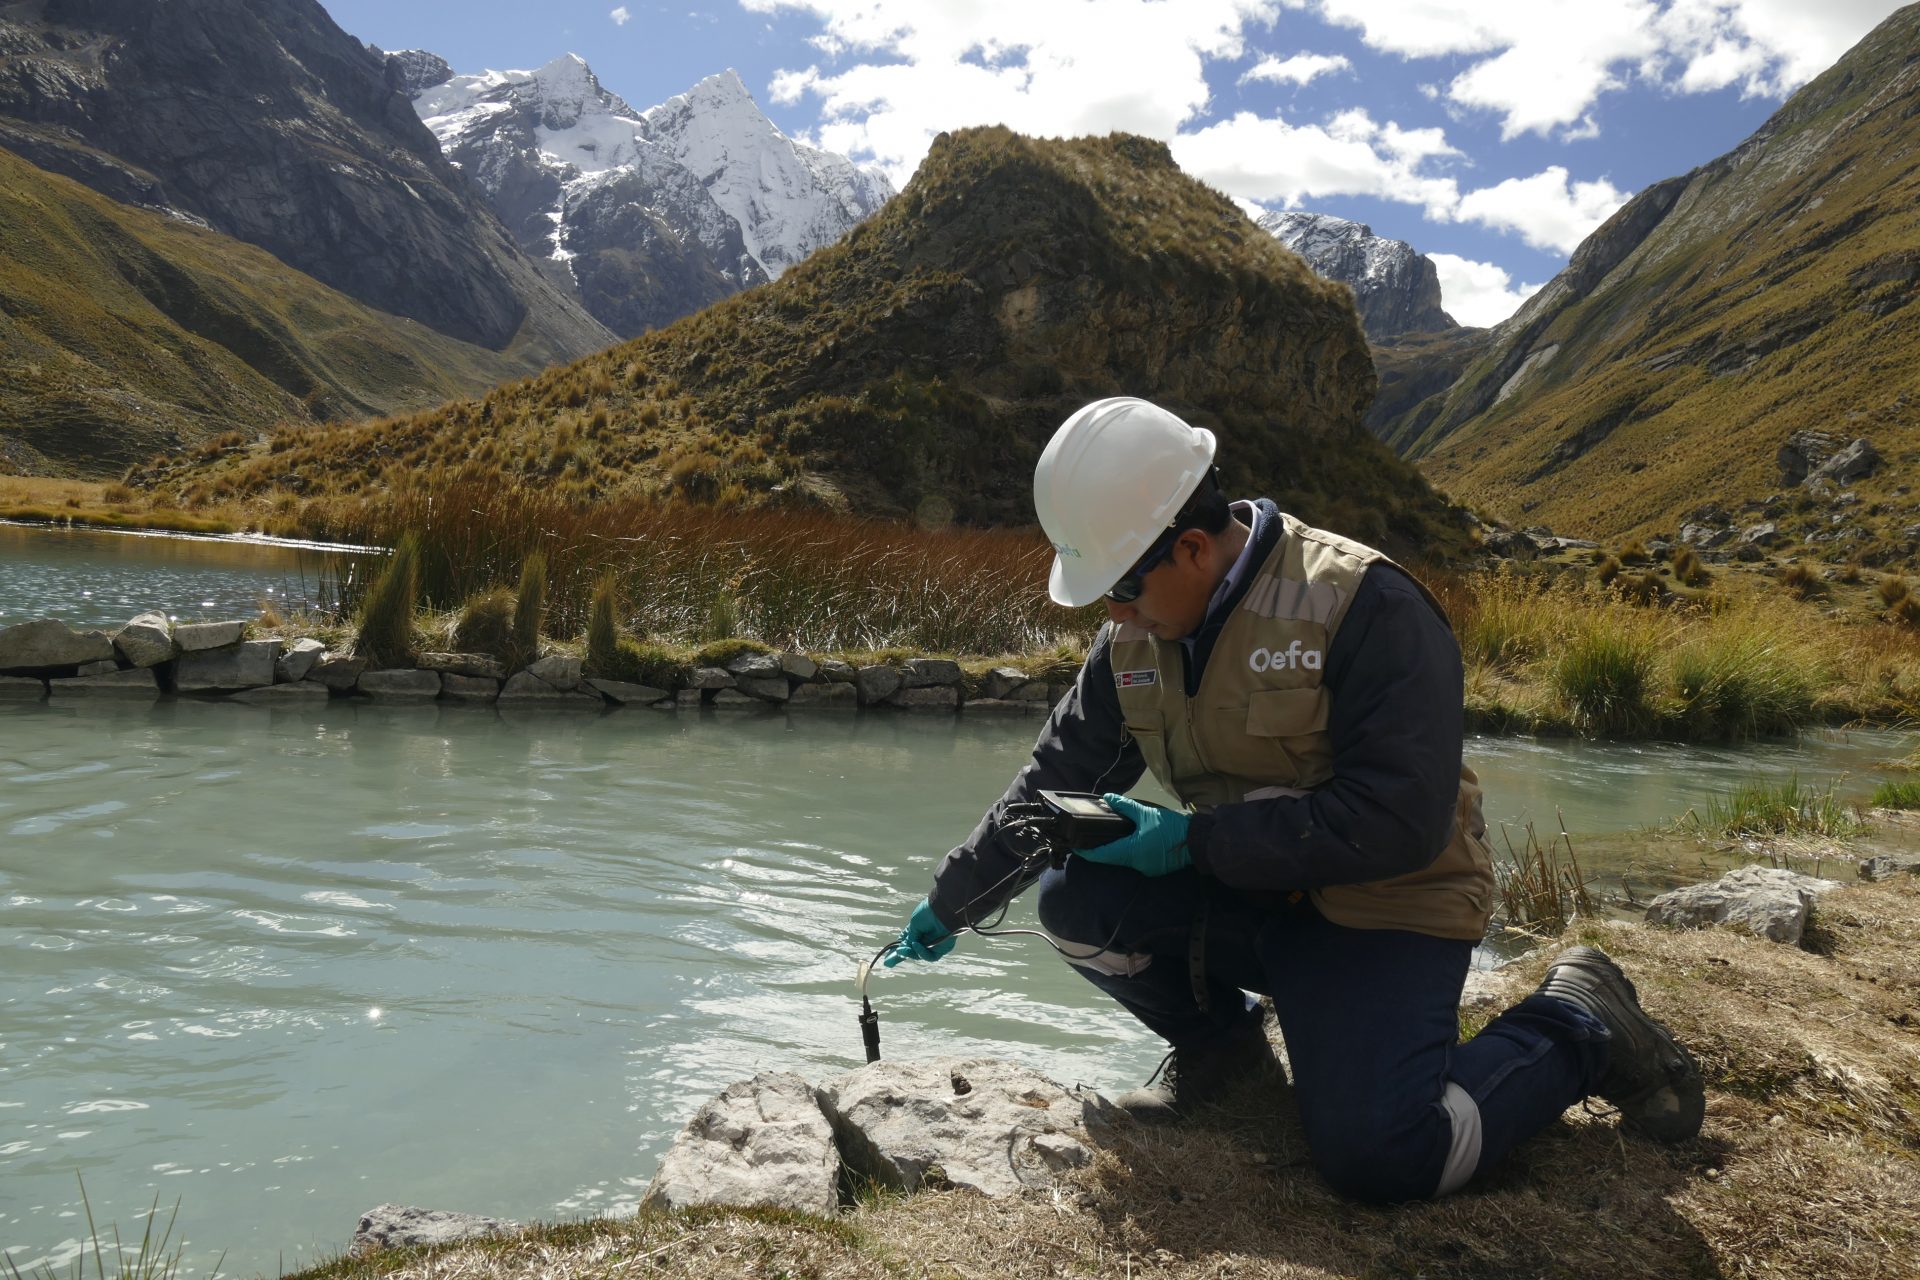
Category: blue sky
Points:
column 1492, row 134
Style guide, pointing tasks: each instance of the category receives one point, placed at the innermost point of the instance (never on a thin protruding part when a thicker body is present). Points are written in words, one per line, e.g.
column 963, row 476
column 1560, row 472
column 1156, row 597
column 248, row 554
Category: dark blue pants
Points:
column 1393, row 1106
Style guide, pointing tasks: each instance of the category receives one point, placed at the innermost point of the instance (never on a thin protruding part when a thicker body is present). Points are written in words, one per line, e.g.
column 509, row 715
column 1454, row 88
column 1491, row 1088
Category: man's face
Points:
column 1174, row 593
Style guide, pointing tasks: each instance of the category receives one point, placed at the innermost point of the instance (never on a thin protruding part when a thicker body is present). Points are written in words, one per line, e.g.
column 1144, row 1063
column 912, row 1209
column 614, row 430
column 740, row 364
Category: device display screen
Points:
column 1081, row 806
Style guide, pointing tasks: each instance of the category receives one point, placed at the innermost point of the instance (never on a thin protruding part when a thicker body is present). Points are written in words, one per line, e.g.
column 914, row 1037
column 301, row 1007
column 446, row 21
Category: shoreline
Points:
column 245, row 661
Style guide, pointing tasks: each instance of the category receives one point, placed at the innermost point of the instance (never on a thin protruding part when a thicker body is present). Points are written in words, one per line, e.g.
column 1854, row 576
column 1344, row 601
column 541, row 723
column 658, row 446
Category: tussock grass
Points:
column 1803, row 581
column 485, row 624
column 529, row 609
column 1805, row 1166
column 1900, row 793
column 1604, row 676
column 1690, row 571
column 386, row 619
column 789, row 578
column 1557, row 655
column 1738, row 680
column 1780, row 808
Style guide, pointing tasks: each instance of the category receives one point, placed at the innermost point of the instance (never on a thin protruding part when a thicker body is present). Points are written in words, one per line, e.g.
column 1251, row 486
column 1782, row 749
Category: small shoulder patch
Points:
column 1130, row 679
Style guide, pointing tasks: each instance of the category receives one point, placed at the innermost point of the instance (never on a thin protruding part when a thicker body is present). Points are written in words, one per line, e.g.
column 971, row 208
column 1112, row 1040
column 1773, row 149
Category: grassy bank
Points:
column 1566, row 656
column 1621, row 647
column 98, row 504
column 1806, row 1165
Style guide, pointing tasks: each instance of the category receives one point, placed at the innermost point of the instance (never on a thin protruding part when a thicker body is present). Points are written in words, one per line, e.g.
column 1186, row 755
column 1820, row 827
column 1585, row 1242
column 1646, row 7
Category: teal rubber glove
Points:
column 1158, row 845
column 924, row 938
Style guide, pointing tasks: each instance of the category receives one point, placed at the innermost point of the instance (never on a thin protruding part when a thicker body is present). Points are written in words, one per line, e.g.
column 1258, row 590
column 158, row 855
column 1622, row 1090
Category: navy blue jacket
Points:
column 1394, row 682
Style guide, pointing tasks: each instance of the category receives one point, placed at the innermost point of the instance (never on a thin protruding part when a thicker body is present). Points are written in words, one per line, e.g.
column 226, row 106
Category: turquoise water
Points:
column 286, row 965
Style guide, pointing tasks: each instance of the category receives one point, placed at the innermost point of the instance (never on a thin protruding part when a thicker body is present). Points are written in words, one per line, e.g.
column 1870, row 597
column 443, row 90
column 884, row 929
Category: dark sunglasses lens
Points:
column 1125, row 591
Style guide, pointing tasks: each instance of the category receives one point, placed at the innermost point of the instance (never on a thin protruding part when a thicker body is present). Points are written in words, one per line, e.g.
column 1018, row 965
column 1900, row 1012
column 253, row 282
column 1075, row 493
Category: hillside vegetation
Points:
column 1715, row 315
column 124, row 331
column 919, row 365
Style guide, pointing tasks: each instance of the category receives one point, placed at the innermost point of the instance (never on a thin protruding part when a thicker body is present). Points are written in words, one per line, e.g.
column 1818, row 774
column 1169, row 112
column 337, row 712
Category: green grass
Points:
column 1548, row 653
column 1742, row 683
column 1604, row 676
column 1897, row 794
column 1781, row 808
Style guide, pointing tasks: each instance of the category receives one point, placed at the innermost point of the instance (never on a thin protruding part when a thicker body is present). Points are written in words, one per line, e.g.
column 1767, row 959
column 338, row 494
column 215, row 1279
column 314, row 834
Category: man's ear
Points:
column 1193, row 545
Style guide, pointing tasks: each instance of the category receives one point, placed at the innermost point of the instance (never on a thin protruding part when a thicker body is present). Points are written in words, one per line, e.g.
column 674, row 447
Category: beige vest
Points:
column 1257, row 727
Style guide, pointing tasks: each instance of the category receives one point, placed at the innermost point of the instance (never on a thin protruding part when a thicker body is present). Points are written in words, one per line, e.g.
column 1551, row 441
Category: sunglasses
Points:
column 1128, row 589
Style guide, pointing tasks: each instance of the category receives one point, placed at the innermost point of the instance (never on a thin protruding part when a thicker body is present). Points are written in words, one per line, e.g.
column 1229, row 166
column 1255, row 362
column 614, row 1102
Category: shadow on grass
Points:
column 1579, row 1200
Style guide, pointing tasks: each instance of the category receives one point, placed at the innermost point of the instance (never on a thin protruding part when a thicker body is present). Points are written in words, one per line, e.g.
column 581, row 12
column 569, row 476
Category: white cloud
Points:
column 1768, row 47
column 788, row 87
column 620, row 16
column 1266, row 159
column 1478, row 293
column 1540, row 65
column 1547, row 210
column 1059, row 67
column 1301, row 68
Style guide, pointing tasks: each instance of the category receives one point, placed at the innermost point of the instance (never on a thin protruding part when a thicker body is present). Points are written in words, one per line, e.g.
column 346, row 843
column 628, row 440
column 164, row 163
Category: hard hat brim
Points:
column 1077, row 583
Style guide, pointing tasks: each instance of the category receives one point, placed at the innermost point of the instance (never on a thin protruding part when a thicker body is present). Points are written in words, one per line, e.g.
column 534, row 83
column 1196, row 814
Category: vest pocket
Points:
column 1153, row 749
column 1287, row 713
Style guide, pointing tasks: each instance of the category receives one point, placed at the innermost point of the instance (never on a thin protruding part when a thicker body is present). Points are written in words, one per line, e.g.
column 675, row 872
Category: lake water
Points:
column 91, row 578
column 284, row 965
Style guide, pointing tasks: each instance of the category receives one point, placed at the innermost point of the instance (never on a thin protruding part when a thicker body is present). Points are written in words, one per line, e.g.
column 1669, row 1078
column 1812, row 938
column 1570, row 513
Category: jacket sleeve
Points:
column 1083, row 747
column 1395, row 685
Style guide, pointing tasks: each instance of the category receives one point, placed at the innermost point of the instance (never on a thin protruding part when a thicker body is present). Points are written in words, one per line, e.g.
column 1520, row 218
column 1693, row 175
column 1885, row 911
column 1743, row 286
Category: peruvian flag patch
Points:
column 1133, row 679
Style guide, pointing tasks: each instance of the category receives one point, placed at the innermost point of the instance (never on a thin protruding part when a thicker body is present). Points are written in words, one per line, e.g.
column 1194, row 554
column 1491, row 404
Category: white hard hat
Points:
column 1107, row 485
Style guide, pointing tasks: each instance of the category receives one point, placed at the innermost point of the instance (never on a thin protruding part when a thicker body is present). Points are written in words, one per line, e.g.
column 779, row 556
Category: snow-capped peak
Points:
column 771, row 185
column 1395, row 287
column 703, row 185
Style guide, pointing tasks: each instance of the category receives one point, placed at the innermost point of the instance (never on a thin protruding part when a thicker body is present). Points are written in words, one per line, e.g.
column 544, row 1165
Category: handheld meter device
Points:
column 1081, row 819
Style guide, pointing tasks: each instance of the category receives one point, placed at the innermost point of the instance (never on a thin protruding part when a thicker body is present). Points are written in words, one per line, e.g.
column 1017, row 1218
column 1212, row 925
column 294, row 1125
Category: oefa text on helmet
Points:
column 1284, row 659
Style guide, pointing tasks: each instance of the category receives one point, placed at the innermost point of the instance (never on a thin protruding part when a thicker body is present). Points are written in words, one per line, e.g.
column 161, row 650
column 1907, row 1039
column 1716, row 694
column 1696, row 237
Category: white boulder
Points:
column 1771, row 902
column 762, row 1141
column 985, row 1125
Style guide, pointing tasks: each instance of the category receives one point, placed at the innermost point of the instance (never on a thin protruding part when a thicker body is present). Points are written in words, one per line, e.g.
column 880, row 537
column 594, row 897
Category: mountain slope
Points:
column 652, row 216
column 273, row 126
column 124, row 332
column 920, row 364
column 1710, row 319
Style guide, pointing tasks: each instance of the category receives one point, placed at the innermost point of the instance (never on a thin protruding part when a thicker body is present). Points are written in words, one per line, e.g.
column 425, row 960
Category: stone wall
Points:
column 152, row 658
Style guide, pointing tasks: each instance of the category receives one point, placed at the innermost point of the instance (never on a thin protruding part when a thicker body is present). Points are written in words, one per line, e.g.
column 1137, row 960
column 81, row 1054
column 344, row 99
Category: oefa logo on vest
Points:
column 1284, row 659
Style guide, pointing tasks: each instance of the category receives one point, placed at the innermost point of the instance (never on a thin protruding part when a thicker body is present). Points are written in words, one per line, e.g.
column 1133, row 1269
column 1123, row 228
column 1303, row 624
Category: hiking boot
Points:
column 1190, row 1079
column 1650, row 1078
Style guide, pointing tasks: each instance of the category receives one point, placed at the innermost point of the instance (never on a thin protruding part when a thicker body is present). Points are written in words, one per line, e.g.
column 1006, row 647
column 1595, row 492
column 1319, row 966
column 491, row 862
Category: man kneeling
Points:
column 1301, row 696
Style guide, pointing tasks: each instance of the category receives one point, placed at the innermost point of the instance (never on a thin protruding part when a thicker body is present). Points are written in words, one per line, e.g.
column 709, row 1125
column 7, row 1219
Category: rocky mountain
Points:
column 651, row 215
column 1395, row 289
column 271, row 125
column 1767, row 293
column 919, row 364
column 126, row 332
